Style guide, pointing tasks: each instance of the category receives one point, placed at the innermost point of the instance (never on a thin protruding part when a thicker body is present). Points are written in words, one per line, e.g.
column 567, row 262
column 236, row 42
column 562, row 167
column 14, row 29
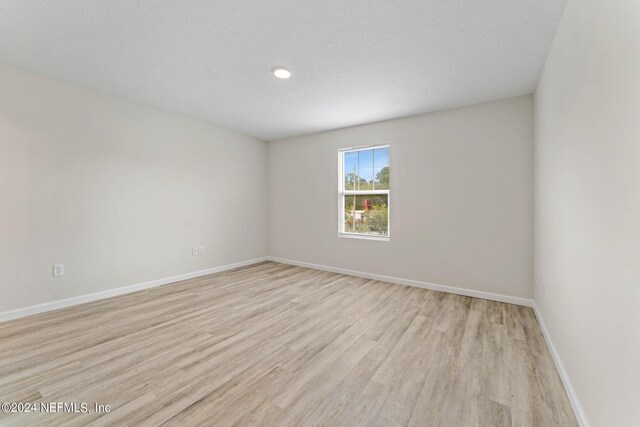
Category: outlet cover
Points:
column 58, row 270
column 194, row 251
column 201, row 250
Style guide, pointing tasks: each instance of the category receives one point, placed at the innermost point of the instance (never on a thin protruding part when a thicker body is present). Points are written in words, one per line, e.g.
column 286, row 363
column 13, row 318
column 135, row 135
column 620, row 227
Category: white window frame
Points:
column 342, row 193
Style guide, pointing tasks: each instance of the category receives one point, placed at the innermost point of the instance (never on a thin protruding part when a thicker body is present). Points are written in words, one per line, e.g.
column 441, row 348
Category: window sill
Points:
column 363, row 237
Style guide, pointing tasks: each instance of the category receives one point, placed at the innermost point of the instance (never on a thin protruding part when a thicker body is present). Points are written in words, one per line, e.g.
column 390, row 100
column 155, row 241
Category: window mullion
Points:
column 364, row 192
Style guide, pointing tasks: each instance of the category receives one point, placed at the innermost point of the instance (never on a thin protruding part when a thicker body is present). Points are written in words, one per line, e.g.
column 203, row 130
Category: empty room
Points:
column 320, row 213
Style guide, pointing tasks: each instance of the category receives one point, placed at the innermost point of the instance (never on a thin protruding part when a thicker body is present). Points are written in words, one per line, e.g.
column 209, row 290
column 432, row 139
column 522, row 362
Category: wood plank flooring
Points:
column 278, row 345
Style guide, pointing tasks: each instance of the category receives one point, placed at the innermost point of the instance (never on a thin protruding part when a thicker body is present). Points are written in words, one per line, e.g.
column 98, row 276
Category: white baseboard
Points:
column 55, row 305
column 408, row 282
column 581, row 416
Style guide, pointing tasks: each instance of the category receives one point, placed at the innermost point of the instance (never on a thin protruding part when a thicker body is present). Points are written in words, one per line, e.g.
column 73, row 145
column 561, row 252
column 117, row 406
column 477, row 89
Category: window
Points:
column 363, row 202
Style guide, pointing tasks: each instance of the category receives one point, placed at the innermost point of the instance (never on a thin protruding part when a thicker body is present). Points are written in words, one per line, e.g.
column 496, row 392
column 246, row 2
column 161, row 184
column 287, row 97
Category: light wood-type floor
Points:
column 272, row 344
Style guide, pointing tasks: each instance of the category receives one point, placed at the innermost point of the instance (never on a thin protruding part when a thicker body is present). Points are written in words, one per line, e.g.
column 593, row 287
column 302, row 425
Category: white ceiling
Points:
column 353, row 61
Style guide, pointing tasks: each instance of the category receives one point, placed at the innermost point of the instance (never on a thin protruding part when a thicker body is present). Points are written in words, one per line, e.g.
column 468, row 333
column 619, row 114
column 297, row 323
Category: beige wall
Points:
column 117, row 192
column 461, row 202
column 587, row 205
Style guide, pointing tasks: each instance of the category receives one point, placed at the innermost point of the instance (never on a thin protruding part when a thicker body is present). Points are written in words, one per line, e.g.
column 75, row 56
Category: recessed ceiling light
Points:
column 281, row 72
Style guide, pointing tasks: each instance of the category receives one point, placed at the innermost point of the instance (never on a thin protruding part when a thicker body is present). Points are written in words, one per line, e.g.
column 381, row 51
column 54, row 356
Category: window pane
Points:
column 367, row 214
column 381, row 171
column 350, row 170
column 365, row 169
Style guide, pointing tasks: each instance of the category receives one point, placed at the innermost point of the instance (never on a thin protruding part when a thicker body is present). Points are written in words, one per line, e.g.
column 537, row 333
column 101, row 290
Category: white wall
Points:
column 116, row 191
column 587, row 205
column 461, row 202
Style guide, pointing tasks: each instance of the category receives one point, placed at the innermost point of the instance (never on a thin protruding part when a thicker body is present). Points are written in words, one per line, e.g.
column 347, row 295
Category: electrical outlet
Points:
column 194, row 251
column 58, row 270
column 540, row 283
column 325, row 247
column 201, row 250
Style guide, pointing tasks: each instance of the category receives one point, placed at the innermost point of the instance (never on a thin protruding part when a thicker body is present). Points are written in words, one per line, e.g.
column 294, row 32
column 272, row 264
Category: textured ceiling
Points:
column 353, row 61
